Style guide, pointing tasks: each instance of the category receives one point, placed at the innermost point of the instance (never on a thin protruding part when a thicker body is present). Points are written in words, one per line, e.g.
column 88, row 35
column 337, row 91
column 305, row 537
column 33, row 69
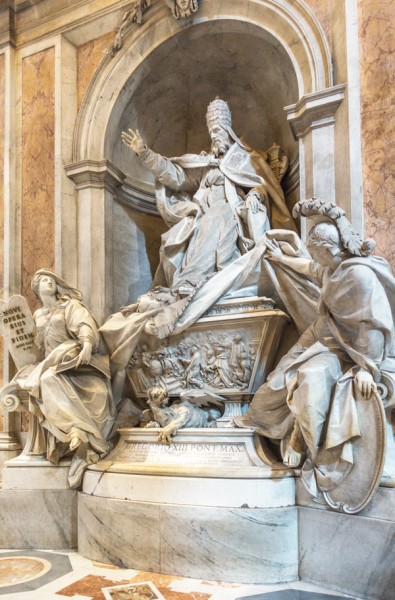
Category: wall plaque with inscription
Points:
column 17, row 326
column 200, row 452
column 207, row 454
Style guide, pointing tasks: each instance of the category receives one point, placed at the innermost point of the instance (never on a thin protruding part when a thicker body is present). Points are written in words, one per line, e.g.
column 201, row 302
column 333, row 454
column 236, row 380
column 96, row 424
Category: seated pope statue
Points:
column 216, row 205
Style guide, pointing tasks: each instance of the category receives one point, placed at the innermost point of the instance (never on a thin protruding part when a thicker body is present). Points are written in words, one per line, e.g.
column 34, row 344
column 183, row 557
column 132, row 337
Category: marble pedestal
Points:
column 191, row 509
column 37, row 507
column 354, row 554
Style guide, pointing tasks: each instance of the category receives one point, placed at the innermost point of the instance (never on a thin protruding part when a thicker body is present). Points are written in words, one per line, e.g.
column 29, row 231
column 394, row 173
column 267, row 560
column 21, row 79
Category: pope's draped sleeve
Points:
column 171, row 174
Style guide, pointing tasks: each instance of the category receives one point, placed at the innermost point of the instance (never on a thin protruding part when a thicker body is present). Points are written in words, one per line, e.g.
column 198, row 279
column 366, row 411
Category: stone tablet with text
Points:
column 17, row 327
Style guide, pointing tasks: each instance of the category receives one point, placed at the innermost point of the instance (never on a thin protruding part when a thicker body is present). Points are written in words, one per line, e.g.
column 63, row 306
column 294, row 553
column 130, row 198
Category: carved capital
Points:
column 95, row 174
column 7, row 24
column 314, row 110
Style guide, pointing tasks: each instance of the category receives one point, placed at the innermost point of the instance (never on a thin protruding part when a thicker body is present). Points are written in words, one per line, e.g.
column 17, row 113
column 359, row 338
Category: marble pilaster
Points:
column 2, row 127
column 376, row 45
column 96, row 182
column 313, row 121
column 10, row 219
column 65, row 209
column 89, row 56
column 38, row 166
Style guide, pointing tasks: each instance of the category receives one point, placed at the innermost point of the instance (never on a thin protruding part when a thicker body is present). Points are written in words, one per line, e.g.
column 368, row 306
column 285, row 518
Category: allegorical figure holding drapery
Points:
column 308, row 401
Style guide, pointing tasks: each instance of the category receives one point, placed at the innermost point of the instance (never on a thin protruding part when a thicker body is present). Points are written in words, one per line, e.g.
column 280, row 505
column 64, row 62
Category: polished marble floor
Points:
column 47, row 575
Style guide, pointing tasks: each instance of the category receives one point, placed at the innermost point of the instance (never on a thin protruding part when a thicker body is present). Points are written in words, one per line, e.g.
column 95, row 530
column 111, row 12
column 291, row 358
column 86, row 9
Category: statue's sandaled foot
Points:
column 91, row 457
column 292, row 458
column 294, row 448
column 74, row 443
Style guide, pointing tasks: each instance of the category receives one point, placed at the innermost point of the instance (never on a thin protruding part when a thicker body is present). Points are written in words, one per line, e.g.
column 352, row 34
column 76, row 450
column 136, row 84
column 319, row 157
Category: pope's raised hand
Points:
column 133, row 140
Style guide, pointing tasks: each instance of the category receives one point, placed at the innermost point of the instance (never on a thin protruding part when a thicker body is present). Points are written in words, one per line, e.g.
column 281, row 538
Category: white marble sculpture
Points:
column 308, row 401
column 68, row 390
column 217, row 205
column 181, row 9
column 191, row 411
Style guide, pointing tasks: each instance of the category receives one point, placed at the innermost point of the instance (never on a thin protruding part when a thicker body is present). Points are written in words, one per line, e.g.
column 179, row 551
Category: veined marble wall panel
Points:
column 38, row 165
column 377, row 41
column 89, row 56
column 2, row 124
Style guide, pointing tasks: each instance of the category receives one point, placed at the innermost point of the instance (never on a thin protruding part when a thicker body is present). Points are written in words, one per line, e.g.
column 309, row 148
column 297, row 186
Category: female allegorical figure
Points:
column 308, row 400
column 69, row 390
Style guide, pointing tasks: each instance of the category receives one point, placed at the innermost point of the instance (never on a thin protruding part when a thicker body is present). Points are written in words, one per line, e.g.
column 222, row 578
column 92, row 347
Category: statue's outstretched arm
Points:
column 165, row 170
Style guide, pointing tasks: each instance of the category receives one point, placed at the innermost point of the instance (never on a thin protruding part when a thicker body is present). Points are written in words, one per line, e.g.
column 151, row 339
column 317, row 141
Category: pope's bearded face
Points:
column 220, row 141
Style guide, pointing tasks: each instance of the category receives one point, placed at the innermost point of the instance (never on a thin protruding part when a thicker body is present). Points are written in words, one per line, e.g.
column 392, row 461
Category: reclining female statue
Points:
column 308, row 401
column 69, row 390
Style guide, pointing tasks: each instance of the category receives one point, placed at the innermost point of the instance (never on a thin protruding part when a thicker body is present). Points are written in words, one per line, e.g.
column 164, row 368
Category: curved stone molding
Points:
column 292, row 24
column 139, row 195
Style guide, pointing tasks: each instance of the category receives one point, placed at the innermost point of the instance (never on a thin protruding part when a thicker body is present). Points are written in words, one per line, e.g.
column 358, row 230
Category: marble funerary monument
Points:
column 198, row 325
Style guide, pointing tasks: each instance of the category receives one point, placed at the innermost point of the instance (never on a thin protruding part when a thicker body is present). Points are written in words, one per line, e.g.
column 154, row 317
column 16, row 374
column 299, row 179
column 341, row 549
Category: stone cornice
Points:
column 95, row 174
column 103, row 174
column 47, row 17
column 315, row 110
column 7, row 25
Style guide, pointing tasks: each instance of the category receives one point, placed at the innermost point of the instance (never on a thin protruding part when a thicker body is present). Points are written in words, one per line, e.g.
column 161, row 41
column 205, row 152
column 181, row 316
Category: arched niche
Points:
column 168, row 93
column 260, row 56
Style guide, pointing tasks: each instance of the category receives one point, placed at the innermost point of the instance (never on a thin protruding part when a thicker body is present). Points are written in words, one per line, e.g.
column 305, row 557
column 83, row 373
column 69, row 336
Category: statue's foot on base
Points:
column 92, row 457
column 74, row 443
column 292, row 458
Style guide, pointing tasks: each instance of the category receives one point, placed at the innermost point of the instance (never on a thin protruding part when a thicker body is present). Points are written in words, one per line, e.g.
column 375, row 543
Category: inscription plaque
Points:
column 181, row 453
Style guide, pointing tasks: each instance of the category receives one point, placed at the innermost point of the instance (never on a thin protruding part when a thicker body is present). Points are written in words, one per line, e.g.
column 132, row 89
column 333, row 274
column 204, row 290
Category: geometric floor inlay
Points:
column 27, row 570
column 14, row 570
column 144, row 591
column 66, row 575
